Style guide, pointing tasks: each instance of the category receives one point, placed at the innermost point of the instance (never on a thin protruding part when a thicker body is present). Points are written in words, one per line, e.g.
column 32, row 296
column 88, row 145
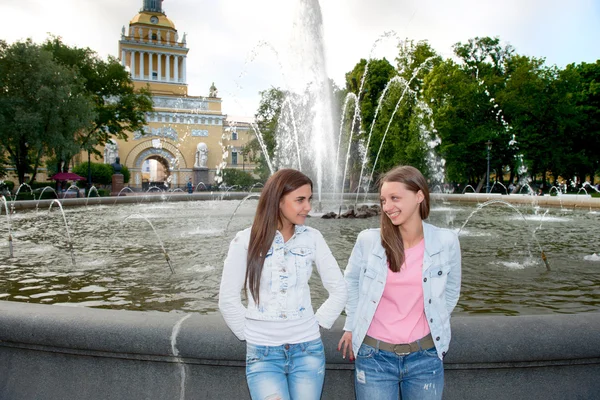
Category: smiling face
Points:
column 400, row 204
column 295, row 206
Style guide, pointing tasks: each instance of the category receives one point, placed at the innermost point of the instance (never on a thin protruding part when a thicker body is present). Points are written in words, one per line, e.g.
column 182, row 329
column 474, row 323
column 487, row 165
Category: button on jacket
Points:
column 366, row 275
column 284, row 290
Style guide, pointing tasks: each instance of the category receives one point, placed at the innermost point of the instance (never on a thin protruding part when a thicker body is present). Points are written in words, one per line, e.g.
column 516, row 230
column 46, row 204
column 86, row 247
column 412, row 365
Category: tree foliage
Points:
column 539, row 119
column 41, row 104
column 119, row 108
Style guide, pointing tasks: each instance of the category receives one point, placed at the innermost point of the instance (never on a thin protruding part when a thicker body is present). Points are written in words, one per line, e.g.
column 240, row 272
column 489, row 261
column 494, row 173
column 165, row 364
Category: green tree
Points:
column 584, row 90
column 243, row 179
column 266, row 122
column 41, row 104
column 119, row 108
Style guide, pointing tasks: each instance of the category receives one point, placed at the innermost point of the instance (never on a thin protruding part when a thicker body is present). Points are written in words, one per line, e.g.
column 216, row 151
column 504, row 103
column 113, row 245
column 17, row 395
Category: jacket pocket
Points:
column 369, row 277
column 438, row 276
column 303, row 257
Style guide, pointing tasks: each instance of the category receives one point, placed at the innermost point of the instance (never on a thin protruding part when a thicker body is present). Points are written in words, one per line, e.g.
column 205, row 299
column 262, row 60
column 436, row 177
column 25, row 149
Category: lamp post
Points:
column 89, row 179
column 487, row 180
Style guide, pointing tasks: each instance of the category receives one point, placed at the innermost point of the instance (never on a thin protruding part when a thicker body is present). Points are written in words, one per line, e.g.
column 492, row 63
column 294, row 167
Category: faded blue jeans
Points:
column 286, row 372
column 384, row 375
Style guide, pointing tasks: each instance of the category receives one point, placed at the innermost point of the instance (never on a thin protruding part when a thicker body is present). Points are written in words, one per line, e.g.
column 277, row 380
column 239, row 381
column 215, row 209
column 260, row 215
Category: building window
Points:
column 154, row 37
column 234, row 135
column 234, row 158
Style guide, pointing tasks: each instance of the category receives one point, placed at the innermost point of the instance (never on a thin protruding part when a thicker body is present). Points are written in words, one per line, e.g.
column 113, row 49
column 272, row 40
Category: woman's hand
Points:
column 345, row 344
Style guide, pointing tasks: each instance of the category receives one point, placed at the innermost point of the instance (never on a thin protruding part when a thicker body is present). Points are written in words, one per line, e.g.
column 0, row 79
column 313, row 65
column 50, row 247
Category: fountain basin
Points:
column 55, row 352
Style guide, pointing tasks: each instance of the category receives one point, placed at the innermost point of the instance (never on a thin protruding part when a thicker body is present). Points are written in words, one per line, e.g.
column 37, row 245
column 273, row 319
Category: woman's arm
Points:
column 333, row 282
column 454, row 276
column 232, row 282
column 351, row 276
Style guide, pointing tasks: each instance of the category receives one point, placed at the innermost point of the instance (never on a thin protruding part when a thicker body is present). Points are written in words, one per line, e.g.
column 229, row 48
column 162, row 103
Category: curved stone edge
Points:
column 70, row 352
column 475, row 339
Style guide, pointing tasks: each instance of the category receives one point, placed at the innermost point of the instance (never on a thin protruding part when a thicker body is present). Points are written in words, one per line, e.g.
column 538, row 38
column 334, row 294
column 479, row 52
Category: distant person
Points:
column 403, row 283
column 540, row 192
column 511, row 188
column 190, row 186
column 272, row 263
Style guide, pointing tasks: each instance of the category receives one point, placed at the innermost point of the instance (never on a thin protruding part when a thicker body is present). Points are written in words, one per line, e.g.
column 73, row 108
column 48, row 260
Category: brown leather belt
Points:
column 401, row 349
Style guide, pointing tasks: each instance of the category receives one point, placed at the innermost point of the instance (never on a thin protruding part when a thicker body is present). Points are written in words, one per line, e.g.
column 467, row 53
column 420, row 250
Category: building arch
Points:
column 146, row 149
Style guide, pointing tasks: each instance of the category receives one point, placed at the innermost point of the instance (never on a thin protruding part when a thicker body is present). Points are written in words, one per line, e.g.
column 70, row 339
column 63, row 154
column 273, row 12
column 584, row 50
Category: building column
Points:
column 150, row 69
column 168, row 65
column 176, row 69
column 142, row 64
column 184, row 69
column 123, row 55
column 132, row 64
column 159, row 69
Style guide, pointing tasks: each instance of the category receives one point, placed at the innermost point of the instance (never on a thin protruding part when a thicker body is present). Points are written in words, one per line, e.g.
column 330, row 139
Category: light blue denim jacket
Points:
column 284, row 291
column 366, row 275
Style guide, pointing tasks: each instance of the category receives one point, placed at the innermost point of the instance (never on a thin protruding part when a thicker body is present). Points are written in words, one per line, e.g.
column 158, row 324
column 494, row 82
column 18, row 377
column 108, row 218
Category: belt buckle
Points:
column 401, row 353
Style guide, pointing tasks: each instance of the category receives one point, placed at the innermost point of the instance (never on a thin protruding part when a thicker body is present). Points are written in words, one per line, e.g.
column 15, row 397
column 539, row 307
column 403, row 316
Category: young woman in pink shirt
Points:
column 403, row 283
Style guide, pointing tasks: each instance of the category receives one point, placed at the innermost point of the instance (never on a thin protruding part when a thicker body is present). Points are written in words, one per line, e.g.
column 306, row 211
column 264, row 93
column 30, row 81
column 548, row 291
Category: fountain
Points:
column 168, row 354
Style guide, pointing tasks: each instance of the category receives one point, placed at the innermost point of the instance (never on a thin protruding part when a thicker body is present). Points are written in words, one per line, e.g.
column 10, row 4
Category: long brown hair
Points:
column 266, row 221
column 391, row 238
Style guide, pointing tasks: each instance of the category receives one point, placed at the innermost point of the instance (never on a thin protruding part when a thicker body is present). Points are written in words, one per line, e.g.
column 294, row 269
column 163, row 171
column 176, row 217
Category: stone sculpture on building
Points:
column 201, row 155
column 213, row 92
column 111, row 151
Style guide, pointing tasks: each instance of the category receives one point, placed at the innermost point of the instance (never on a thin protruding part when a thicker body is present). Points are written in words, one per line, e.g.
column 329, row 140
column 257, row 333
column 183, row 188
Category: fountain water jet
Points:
column 487, row 203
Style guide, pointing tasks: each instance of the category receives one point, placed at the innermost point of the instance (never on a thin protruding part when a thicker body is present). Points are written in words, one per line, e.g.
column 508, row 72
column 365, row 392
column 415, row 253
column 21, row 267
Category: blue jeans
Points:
column 384, row 375
column 286, row 372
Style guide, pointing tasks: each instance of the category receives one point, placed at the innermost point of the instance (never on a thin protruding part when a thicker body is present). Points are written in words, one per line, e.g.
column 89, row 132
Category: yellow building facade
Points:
column 185, row 136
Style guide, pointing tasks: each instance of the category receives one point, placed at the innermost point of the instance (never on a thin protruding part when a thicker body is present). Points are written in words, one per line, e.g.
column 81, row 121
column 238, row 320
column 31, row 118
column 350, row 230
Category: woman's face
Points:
column 400, row 204
column 295, row 206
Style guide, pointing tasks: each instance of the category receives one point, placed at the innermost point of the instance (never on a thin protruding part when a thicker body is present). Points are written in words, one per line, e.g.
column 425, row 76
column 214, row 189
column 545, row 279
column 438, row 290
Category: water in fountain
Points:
column 90, row 191
column 10, row 239
column 487, row 203
column 74, row 187
column 201, row 183
column 167, row 258
column 590, row 186
column 469, row 186
column 42, row 194
column 12, row 210
column 500, row 275
column 69, row 241
column 501, row 184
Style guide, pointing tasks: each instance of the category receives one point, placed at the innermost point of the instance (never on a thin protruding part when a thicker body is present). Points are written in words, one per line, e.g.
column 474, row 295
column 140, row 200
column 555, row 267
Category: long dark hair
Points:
column 391, row 238
column 266, row 221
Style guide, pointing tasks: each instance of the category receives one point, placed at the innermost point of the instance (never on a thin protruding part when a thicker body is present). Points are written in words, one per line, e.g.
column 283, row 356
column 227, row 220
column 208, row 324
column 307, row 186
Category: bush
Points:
column 101, row 193
column 6, row 186
column 237, row 177
column 126, row 174
column 40, row 185
column 101, row 173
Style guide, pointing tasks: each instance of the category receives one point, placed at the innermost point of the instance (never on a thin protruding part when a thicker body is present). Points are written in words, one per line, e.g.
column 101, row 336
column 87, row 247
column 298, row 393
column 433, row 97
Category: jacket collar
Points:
column 432, row 246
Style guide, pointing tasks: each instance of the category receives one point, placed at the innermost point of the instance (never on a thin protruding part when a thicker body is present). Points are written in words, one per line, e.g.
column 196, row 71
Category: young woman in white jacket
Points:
column 272, row 262
column 403, row 283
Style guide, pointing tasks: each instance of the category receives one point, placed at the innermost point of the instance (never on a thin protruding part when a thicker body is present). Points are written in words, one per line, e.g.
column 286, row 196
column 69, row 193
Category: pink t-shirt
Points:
column 400, row 315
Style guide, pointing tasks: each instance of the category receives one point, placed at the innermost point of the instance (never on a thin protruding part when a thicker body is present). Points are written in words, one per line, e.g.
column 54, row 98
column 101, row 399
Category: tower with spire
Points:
column 153, row 52
column 167, row 151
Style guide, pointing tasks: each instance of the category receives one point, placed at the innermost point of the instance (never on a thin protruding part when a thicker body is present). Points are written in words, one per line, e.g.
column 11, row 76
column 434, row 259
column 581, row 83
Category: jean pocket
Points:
column 365, row 351
column 315, row 347
column 253, row 355
column 432, row 352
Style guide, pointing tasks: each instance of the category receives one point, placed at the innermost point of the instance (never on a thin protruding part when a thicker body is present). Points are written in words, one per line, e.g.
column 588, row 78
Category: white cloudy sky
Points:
column 223, row 34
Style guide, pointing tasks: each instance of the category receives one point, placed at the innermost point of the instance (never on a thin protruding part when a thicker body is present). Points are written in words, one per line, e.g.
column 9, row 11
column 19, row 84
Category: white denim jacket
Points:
column 284, row 291
column 366, row 275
